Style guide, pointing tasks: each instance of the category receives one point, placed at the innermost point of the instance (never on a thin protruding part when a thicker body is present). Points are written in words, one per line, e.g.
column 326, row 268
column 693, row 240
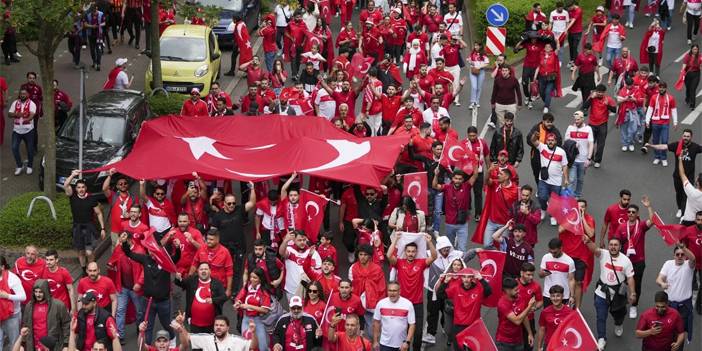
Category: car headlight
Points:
column 202, row 70
column 113, row 160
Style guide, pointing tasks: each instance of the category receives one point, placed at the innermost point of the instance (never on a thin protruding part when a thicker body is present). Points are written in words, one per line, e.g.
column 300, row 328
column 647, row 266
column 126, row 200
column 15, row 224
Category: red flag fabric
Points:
column 476, row 338
column 241, row 35
column 681, row 80
column 573, row 334
column 678, row 150
column 240, row 148
column 492, row 263
column 566, row 212
column 359, row 66
column 457, row 155
column 479, row 234
column 415, row 186
column 158, row 252
column 314, row 212
column 671, row 233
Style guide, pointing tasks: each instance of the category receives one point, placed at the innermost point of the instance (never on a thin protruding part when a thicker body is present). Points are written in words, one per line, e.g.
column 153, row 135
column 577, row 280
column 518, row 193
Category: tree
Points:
column 157, row 79
column 43, row 25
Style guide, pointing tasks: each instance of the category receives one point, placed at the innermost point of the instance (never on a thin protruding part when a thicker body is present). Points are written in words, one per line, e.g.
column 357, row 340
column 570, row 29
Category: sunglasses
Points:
column 632, row 212
column 679, row 254
column 229, row 203
column 313, row 291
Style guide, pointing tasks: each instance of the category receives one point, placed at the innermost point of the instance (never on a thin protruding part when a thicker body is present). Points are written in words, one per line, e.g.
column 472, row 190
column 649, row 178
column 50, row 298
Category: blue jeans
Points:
column 476, row 85
column 438, row 206
column 545, row 90
column 458, row 235
column 611, row 54
column 628, row 129
column 631, row 12
column 261, row 333
column 545, row 191
column 642, row 125
column 602, row 309
column 369, row 324
column 123, row 298
column 659, row 135
column 269, row 58
column 685, row 310
column 28, row 139
column 10, row 328
column 490, row 229
column 576, row 176
column 163, row 308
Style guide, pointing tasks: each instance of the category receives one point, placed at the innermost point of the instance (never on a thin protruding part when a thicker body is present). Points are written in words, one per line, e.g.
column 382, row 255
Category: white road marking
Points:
column 474, row 116
column 692, row 116
column 681, row 57
column 483, row 130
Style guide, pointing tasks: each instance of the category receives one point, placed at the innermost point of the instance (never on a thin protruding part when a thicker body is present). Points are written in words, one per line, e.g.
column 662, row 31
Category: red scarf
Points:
column 22, row 111
column 295, row 338
column 6, row 306
column 112, row 78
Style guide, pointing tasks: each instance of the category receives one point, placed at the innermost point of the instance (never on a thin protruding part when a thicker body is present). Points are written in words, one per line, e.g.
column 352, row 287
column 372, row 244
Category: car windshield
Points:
column 232, row 5
column 183, row 49
column 97, row 129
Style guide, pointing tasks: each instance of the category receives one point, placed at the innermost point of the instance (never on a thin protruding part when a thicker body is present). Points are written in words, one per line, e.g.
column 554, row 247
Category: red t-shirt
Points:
column 39, row 322
column 90, row 339
column 119, row 212
column 533, row 53
column 351, row 306
column 525, row 292
column 550, row 318
column 466, row 302
column 344, row 344
column 348, row 98
column 29, row 273
column 219, row 259
column 455, row 199
column 255, row 297
column 599, row 113
column 139, row 229
column 508, row 332
column 444, row 78
column 451, row 55
column 411, row 278
column 391, row 104
column 671, row 325
column 58, row 284
column 268, row 34
column 693, row 241
column 328, row 250
column 573, row 245
column 194, row 109
column 614, row 216
column 315, row 310
column 103, row 287
column 349, row 199
column 577, row 15
column 633, row 238
column 187, row 250
column 586, row 63
column 202, row 313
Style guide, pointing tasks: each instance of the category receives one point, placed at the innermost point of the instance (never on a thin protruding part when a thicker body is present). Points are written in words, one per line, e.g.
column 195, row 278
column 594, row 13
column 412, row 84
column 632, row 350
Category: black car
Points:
column 249, row 10
column 112, row 122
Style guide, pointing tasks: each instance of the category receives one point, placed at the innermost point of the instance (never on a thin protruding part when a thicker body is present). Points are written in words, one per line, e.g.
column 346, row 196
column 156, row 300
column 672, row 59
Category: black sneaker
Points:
column 122, row 341
column 477, row 218
column 644, row 150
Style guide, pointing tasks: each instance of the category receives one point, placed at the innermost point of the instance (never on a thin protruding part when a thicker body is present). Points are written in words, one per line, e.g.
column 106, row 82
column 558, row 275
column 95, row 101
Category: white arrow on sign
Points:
column 498, row 16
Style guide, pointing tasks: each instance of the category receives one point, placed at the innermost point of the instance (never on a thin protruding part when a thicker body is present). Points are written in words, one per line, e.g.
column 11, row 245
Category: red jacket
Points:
column 114, row 267
column 194, row 109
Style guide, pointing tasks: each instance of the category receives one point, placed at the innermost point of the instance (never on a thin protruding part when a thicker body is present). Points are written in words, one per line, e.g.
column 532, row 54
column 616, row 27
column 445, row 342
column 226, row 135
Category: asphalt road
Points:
column 619, row 170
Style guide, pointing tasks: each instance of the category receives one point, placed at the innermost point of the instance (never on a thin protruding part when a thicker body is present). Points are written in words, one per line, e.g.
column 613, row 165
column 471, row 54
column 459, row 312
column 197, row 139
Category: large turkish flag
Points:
column 257, row 148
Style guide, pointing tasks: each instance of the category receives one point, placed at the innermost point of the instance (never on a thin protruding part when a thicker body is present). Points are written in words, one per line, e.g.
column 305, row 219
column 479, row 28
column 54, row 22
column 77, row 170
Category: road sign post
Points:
column 497, row 15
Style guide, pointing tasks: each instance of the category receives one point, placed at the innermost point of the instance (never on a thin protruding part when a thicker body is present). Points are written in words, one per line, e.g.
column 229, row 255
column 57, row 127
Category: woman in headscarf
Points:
column 414, row 57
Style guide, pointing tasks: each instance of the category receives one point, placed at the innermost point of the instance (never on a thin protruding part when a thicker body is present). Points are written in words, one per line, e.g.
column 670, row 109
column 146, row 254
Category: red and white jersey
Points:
column 560, row 268
column 395, row 318
column 583, row 137
column 160, row 214
column 371, row 103
column 325, row 103
column 559, row 20
column 293, row 266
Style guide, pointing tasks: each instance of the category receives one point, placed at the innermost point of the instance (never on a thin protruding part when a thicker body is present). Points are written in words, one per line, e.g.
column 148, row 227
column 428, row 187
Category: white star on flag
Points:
column 203, row 145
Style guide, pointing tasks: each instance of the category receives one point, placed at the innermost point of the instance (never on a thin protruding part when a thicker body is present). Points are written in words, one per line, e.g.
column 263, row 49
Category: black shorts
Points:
column 84, row 236
column 580, row 268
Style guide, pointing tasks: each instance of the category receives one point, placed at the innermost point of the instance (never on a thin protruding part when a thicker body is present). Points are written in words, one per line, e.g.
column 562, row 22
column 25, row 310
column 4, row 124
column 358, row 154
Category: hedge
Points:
column 18, row 230
column 517, row 11
column 161, row 105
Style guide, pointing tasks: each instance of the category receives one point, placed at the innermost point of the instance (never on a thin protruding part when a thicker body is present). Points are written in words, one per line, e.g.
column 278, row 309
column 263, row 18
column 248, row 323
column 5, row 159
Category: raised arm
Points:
column 249, row 205
column 392, row 254
column 67, row 183
column 432, row 249
column 286, row 186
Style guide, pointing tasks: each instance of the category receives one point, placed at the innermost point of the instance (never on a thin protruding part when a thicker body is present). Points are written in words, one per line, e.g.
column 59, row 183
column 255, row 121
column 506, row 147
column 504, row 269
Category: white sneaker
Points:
column 29, row 170
column 18, row 54
column 491, row 125
column 648, row 15
column 624, row 148
column 597, row 165
column 477, row 105
column 631, row 148
column 633, row 312
column 545, row 109
column 18, row 171
column 678, row 214
column 618, row 330
column 472, row 104
column 601, row 343
column 543, row 214
column 429, row 339
column 351, row 257
column 689, row 41
column 656, row 161
column 664, row 163
column 553, row 222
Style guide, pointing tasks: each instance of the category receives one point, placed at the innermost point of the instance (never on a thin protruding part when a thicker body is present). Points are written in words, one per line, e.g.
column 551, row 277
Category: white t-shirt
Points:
column 622, row 266
column 454, row 23
column 23, row 125
column 654, row 40
column 293, row 266
column 583, row 137
column 326, row 104
column 435, row 53
column 281, row 12
column 560, row 268
column 395, row 318
column 314, row 58
column 555, row 168
column 693, row 7
column 121, row 81
column 614, row 40
column 693, row 203
column 679, row 280
column 206, row 342
column 559, row 21
column 16, row 295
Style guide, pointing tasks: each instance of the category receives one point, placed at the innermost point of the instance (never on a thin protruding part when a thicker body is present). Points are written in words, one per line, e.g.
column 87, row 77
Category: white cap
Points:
column 120, row 61
column 600, row 8
column 295, row 301
column 195, row 90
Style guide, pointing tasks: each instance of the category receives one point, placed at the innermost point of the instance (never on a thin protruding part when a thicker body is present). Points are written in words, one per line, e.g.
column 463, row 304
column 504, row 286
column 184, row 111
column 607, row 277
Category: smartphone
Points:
column 337, row 310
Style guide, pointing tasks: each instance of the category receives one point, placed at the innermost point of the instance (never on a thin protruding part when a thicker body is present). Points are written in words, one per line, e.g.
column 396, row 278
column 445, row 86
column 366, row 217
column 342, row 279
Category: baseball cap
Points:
column 88, row 297
column 162, row 334
column 295, row 301
column 600, row 8
column 195, row 91
column 120, row 61
column 578, row 114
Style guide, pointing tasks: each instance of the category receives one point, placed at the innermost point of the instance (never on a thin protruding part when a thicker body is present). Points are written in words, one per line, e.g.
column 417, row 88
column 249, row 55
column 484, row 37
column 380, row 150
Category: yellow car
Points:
column 190, row 58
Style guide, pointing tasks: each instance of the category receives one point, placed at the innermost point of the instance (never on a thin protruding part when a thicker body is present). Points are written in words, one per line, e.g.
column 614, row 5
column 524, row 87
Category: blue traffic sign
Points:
column 497, row 15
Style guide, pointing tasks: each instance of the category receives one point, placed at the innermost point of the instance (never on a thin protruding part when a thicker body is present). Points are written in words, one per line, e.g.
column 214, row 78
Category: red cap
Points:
column 550, row 135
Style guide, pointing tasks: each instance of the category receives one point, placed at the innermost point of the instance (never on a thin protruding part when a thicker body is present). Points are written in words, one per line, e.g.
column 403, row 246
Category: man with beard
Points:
column 266, row 260
column 121, row 202
column 204, row 298
column 23, row 112
column 574, row 247
column 161, row 210
column 553, row 174
column 346, row 303
column 222, row 339
column 45, row 316
column 345, row 96
column 508, row 138
column 614, row 216
column 456, row 205
column 293, row 214
column 221, row 265
column 502, row 190
column 92, row 324
column 60, row 281
column 325, row 276
column 510, row 239
column 296, row 330
column 35, row 94
column 29, row 268
column 527, row 212
column 512, row 316
column 661, row 327
column 102, row 287
column 294, row 256
column 661, row 109
column 686, row 155
column 542, row 129
column 582, row 134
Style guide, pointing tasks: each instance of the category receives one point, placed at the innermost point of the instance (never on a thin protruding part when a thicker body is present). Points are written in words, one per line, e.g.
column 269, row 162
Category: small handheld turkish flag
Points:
column 314, row 206
column 475, row 338
column 566, row 212
column 158, row 252
column 671, row 233
column 455, row 154
column 491, row 265
column 573, row 334
column 415, row 186
column 359, row 66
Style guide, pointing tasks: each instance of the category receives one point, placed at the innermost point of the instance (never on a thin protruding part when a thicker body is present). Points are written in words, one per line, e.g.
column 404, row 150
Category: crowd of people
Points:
column 184, row 250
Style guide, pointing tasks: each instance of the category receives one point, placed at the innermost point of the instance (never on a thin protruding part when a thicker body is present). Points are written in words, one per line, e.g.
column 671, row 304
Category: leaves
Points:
column 18, row 230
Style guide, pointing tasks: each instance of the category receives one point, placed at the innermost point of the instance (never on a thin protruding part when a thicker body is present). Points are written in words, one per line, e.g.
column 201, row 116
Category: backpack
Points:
column 571, row 149
column 270, row 319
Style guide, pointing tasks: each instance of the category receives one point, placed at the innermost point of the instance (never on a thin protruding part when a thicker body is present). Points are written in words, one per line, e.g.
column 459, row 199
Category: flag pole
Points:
column 146, row 319
column 326, row 307
column 336, row 202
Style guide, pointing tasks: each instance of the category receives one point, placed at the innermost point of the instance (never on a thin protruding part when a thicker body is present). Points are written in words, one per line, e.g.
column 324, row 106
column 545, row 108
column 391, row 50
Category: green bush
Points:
column 161, row 104
column 515, row 25
column 18, row 230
